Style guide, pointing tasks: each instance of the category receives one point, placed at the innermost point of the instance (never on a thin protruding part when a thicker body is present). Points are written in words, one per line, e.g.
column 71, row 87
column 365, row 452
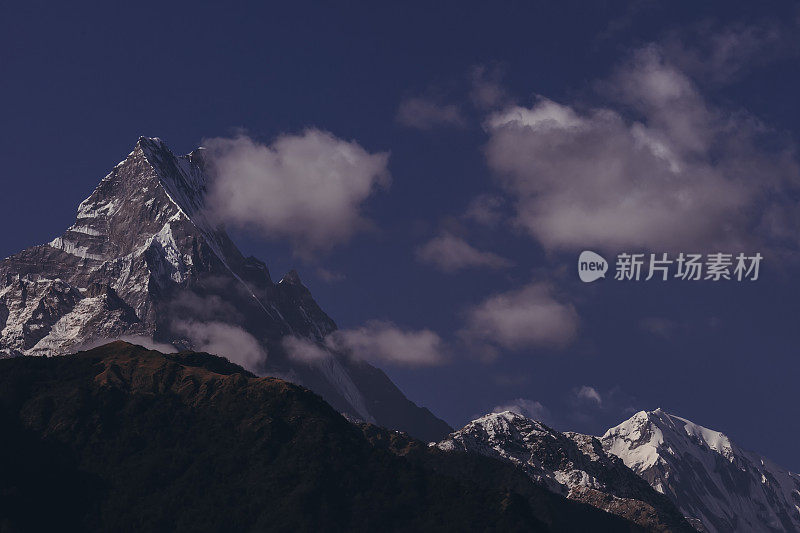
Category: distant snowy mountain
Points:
column 711, row 480
column 570, row 464
column 143, row 260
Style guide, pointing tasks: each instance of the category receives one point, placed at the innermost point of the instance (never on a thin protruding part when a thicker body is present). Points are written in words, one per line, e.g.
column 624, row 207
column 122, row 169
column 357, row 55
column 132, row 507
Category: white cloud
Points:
column 589, row 394
column 425, row 114
column 306, row 188
column 544, row 116
column 450, row 253
column 524, row 407
column 384, row 342
column 303, row 349
column 226, row 340
column 188, row 304
column 524, row 318
column 662, row 170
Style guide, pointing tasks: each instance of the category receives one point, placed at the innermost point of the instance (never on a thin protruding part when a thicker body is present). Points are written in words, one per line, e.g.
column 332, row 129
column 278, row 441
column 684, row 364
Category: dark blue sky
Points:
column 79, row 83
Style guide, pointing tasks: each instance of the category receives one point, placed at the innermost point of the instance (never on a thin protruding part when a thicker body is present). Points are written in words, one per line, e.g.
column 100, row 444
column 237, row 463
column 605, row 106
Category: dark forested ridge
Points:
column 122, row 438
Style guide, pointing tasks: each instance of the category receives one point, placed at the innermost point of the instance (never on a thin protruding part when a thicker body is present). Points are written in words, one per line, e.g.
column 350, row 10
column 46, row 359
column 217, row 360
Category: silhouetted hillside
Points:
column 121, row 438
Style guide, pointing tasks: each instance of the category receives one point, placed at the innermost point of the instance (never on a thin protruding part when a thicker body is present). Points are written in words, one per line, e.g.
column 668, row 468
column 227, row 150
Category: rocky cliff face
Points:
column 719, row 486
column 570, row 464
column 144, row 260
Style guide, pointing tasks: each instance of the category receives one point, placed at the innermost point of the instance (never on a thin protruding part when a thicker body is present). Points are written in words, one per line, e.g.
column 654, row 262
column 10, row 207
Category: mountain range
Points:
column 658, row 470
column 122, row 437
column 144, row 261
column 573, row 465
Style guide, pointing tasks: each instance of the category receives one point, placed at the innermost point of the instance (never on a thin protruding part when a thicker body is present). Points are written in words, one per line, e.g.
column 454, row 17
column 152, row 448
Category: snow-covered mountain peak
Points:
column 504, row 427
column 144, row 259
column 148, row 168
column 570, row 464
column 709, row 477
column 146, row 142
column 513, row 437
column 640, row 437
column 507, row 420
column 646, row 433
column 184, row 182
column 143, row 200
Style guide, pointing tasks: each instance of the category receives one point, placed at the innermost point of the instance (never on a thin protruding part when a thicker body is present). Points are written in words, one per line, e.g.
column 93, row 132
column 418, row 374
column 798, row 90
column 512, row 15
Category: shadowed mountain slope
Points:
column 123, row 439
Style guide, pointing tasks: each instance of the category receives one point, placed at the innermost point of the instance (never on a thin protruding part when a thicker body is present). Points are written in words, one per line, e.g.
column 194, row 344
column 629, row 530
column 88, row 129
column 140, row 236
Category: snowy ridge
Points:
column 185, row 185
column 570, row 464
column 710, row 478
column 511, row 437
column 74, row 249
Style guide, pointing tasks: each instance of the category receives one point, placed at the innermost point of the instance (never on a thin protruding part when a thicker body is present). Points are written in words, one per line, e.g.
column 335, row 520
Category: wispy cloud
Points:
column 301, row 349
column 487, row 91
column 522, row 406
column 532, row 316
column 426, row 114
column 589, row 394
column 329, row 276
column 384, row 342
column 659, row 326
column 723, row 54
column 450, row 253
column 486, row 210
column 223, row 339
